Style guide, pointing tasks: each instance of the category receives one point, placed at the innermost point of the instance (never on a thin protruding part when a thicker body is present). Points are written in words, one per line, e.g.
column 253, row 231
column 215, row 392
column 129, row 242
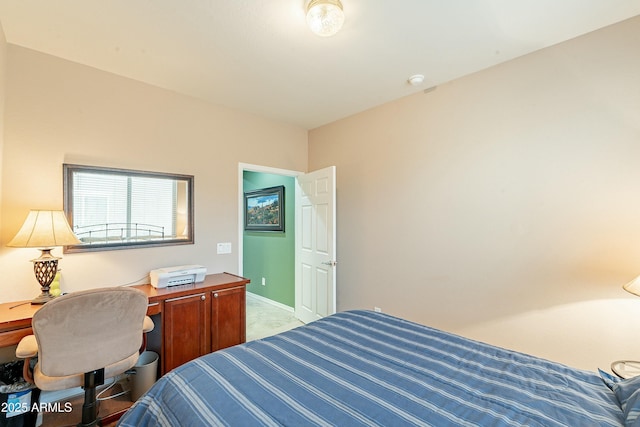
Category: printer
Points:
column 179, row 275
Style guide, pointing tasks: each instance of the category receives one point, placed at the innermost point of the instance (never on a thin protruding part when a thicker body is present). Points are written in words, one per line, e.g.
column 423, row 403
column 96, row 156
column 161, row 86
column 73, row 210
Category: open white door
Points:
column 316, row 245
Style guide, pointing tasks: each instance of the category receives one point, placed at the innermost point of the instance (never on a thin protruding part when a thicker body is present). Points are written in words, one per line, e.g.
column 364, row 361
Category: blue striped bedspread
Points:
column 364, row 368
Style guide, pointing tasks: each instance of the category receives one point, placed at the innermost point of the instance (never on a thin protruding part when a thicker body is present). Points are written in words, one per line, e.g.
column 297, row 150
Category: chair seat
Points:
column 70, row 381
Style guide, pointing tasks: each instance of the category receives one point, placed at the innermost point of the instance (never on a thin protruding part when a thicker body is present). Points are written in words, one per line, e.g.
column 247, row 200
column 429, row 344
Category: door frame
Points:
column 252, row 168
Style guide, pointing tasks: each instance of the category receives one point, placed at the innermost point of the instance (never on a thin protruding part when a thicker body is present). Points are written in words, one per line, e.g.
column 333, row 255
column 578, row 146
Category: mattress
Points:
column 365, row 368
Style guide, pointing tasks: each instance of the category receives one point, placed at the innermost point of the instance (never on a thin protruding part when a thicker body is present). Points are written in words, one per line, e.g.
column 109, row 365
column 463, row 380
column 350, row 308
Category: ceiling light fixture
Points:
column 325, row 17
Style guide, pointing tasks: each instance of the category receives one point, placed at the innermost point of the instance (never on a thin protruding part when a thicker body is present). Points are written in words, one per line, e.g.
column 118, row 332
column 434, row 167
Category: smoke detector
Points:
column 416, row 79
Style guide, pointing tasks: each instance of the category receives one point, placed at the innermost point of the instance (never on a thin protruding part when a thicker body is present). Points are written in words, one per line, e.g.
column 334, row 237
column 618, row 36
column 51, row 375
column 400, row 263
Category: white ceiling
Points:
column 259, row 56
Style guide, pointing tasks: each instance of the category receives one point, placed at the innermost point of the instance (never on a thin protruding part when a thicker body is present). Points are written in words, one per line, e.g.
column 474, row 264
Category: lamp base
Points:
column 43, row 298
column 45, row 269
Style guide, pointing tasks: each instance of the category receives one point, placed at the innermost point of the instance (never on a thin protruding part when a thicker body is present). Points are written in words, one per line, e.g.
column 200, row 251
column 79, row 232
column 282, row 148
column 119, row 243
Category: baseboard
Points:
column 270, row 301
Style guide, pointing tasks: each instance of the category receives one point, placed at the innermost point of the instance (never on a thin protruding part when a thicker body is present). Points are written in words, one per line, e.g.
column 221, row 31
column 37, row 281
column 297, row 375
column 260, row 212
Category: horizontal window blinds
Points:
column 110, row 206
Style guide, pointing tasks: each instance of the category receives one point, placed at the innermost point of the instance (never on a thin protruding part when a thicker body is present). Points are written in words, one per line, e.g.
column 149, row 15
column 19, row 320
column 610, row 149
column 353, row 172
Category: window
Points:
column 116, row 208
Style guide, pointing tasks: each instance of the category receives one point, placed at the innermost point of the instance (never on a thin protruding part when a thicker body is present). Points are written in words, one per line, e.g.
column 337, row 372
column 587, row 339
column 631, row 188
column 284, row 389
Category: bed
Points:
column 365, row 368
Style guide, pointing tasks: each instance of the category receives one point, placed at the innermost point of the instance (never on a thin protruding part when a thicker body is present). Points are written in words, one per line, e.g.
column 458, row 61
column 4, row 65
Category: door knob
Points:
column 330, row 263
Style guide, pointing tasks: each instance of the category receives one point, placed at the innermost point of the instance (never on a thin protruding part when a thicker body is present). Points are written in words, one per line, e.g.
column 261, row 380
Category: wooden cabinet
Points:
column 184, row 331
column 228, row 324
column 199, row 318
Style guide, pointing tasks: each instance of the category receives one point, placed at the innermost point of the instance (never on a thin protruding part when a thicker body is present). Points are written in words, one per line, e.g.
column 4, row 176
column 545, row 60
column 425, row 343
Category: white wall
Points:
column 61, row 112
column 503, row 205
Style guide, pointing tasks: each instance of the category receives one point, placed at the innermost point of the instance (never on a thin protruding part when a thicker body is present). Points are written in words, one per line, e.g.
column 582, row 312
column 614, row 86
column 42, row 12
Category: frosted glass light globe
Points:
column 325, row 17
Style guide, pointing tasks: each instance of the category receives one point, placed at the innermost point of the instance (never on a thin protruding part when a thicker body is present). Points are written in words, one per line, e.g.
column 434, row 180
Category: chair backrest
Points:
column 88, row 330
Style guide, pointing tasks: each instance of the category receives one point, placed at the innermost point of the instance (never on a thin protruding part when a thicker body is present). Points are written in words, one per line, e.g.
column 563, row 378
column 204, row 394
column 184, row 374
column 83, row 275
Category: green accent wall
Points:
column 271, row 254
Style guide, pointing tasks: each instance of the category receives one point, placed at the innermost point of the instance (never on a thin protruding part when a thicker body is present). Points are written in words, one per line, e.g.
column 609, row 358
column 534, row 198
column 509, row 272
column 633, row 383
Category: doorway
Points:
column 268, row 258
column 309, row 228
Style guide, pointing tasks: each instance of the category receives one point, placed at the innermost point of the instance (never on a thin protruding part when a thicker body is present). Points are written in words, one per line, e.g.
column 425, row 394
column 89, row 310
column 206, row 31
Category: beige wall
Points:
column 3, row 63
column 57, row 111
column 503, row 205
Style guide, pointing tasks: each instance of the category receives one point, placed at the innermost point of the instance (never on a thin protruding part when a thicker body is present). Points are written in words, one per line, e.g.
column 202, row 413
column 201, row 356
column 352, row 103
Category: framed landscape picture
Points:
column 264, row 209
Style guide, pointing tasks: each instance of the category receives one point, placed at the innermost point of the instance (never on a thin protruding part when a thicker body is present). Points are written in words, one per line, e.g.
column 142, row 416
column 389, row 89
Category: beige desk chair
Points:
column 84, row 337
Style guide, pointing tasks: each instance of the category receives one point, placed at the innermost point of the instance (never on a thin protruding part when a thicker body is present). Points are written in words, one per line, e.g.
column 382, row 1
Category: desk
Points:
column 15, row 321
column 190, row 320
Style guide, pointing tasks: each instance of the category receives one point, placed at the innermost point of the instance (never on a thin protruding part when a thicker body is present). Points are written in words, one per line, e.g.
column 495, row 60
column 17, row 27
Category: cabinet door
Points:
column 184, row 329
column 228, row 318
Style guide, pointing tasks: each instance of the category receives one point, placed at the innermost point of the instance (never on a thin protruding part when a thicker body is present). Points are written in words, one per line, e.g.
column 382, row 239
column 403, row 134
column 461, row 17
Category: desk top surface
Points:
column 211, row 282
column 18, row 314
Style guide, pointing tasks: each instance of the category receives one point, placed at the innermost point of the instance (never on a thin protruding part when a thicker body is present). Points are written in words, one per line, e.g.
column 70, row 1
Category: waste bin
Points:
column 143, row 374
column 18, row 398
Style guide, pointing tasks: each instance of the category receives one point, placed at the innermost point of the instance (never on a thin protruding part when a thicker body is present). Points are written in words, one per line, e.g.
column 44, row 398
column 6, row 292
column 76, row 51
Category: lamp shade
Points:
column 325, row 17
column 44, row 229
column 633, row 286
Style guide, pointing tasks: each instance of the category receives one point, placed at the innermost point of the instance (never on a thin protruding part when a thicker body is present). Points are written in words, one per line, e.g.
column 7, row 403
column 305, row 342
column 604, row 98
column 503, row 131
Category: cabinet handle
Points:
column 170, row 300
column 215, row 295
